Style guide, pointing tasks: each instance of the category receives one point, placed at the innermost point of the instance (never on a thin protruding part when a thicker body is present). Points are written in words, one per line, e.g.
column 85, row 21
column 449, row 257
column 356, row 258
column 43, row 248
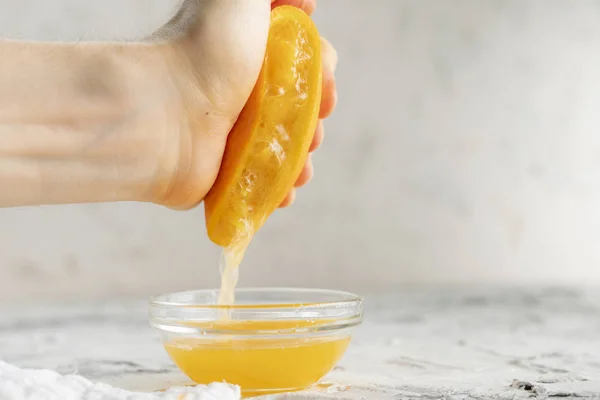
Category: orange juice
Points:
column 259, row 365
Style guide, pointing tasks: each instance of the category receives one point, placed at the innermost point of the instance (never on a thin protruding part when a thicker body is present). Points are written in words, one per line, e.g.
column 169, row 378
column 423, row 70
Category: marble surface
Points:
column 421, row 344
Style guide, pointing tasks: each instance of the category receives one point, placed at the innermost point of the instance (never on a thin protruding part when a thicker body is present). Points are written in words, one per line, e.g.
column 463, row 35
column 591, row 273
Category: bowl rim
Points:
column 349, row 298
column 344, row 310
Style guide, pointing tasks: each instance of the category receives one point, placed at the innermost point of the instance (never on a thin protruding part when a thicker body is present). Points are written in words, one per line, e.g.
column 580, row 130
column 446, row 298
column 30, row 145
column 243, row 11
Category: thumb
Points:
column 225, row 42
column 308, row 6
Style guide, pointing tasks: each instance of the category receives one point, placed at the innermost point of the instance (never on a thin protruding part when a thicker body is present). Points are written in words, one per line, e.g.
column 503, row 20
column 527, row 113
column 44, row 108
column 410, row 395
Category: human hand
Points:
column 214, row 50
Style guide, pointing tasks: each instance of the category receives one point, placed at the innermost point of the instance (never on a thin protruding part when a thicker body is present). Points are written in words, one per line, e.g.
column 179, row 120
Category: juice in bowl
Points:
column 263, row 340
column 274, row 339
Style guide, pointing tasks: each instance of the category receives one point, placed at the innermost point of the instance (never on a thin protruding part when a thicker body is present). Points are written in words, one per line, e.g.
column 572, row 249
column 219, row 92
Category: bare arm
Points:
column 70, row 121
column 99, row 122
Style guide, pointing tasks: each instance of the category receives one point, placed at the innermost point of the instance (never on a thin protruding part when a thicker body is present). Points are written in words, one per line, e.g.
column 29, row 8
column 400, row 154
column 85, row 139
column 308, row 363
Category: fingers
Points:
column 308, row 6
column 308, row 170
column 289, row 199
column 306, row 174
column 304, row 177
column 329, row 96
column 317, row 138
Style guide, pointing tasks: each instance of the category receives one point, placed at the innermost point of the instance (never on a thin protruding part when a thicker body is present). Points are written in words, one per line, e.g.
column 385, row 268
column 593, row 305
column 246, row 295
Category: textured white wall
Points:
column 466, row 148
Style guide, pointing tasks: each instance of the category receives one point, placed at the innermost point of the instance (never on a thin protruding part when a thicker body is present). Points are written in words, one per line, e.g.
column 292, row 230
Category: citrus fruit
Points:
column 268, row 145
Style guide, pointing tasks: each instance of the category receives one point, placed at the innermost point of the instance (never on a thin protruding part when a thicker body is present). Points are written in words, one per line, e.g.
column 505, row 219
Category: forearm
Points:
column 70, row 121
column 49, row 164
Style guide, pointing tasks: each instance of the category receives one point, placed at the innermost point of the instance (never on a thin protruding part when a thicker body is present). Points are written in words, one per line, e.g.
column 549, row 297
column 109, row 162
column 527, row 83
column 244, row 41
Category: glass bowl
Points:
column 272, row 340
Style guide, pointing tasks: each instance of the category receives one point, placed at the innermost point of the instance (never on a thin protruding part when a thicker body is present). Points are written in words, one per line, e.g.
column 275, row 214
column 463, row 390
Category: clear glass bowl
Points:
column 272, row 340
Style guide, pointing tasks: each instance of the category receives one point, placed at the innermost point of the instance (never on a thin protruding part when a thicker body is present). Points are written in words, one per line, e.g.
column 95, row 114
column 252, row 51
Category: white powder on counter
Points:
column 34, row 384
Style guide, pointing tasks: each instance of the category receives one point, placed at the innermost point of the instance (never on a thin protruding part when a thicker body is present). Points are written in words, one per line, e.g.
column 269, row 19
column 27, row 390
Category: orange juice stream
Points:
column 231, row 257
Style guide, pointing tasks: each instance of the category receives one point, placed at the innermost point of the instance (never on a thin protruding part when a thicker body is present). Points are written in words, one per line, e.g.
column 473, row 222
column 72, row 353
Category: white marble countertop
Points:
column 421, row 344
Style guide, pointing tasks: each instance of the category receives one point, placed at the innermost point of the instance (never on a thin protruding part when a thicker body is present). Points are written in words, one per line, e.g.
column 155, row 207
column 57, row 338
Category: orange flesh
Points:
column 259, row 366
column 268, row 145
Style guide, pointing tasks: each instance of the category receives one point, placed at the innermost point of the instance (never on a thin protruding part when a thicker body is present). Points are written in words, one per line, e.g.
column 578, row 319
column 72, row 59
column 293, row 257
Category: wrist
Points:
column 145, row 141
column 159, row 129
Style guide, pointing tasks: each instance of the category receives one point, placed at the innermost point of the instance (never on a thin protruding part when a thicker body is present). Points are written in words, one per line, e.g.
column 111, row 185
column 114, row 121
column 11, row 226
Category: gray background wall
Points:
column 466, row 148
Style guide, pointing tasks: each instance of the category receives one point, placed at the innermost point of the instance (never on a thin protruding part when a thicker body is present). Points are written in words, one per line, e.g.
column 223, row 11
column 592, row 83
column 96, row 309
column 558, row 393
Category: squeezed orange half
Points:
column 268, row 145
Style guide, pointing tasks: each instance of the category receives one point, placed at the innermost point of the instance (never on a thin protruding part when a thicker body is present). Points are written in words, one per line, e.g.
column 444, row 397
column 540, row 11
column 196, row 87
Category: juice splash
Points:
column 259, row 365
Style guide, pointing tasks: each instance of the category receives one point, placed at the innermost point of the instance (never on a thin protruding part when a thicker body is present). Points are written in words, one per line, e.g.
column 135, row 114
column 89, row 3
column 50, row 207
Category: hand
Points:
column 214, row 50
